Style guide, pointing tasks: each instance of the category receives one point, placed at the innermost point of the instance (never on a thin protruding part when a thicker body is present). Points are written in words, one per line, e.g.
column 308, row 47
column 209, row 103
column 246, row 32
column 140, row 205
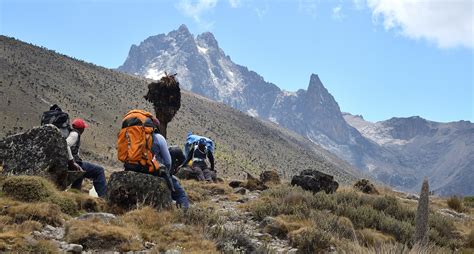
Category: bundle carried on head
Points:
column 166, row 98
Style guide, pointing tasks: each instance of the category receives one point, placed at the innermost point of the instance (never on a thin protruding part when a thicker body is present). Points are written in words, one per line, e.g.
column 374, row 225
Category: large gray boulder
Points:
column 40, row 151
column 315, row 181
column 127, row 190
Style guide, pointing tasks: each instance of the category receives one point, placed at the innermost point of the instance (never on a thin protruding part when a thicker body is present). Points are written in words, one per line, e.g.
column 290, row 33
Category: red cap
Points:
column 78, row 123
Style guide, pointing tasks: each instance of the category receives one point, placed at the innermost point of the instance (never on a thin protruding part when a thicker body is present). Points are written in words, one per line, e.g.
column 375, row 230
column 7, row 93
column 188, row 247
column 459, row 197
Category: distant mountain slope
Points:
column 442, row 151
column 204, row 68
column 31, row 78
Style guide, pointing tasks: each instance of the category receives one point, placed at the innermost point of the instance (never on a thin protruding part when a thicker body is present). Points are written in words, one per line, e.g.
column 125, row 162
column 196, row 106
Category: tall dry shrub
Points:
column 421, row 220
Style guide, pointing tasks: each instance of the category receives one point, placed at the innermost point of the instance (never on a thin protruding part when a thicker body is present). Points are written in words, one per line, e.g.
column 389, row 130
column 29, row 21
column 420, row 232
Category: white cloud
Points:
column 261, row 11
column 448, row 23
column 195, row 10
column 234, row 3
column 336, row 13
column 309, row 7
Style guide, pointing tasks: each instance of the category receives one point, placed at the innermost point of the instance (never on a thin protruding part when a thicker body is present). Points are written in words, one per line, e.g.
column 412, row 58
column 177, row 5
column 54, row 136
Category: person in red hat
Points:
column 92, row 171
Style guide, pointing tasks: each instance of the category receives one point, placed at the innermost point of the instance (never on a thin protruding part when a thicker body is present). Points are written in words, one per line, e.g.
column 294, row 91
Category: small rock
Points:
column 254, row 184
column 236, row 183
column 293, row 251
column 74, row 248
column 315, row 181
column 104, row 217
column 267, row 221
column 454, row 214
column 366, row 186
column 149, row 245
column 412, row 196
column 242, row 200
column 240, row 190
column 178, row 226
column 174, row 251
column 270, row 176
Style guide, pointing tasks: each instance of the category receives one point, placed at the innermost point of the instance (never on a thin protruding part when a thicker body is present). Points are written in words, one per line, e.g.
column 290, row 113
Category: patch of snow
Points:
column 202, row 50
column 153, row 73
column 288, row 93
column 273, row 120
column 252, row 112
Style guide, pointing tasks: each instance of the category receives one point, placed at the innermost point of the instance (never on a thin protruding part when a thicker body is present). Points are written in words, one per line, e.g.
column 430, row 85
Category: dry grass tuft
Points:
column 42, row 212
column 96, row 235
column 187, row 239
column 284, row 224
column 470, row 240
column 373, row 238
column 456, row 203
column 310, row 240
column 202, row 191
column 149, row 221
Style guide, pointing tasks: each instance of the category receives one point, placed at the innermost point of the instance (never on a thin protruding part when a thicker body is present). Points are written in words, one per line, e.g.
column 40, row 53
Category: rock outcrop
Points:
column 40, row 151
column 315, row 181
column 366, row 186
column 253, row 183
column 270, row 176
column 128, row 190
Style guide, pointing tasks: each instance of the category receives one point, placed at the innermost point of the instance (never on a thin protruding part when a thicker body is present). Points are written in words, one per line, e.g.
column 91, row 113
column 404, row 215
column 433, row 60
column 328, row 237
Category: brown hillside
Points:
column 32, row 78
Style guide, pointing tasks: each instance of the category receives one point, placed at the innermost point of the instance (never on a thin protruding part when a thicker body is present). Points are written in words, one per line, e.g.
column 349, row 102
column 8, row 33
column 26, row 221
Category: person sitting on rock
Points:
column 161, row 153
column 92, row 171
column 198, row 154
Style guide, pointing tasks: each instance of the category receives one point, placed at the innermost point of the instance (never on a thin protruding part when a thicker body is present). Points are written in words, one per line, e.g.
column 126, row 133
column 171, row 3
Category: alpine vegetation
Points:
column 421, row 221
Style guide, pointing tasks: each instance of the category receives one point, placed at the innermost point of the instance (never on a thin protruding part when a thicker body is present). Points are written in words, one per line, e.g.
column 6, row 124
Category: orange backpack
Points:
column 135, row 140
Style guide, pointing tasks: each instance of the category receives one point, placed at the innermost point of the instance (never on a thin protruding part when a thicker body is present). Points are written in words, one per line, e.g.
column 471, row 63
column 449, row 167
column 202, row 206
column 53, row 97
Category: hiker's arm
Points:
column 188, row 157
column 211, row 159
column 160, row 144
column 70, row 141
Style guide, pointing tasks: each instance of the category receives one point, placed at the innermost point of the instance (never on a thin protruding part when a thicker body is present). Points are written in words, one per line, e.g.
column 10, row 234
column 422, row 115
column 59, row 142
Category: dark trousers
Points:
column 178, row 194
column 96, row 174
column 202, row 171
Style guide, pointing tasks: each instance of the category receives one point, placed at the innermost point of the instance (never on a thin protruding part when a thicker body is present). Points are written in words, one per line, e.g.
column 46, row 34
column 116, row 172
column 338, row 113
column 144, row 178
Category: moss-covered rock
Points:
column 28, row 188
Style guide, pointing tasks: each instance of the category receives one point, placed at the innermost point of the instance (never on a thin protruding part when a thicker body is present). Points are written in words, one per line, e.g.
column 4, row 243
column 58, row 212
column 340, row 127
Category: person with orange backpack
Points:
column 143, row 149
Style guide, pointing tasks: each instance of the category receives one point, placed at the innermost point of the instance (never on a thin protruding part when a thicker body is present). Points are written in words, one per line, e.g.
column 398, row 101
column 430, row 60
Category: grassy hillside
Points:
column 281, row 219
column 32, row 78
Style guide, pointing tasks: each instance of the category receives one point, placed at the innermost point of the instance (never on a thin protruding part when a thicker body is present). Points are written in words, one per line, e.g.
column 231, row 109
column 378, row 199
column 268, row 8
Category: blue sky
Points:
column 378, row 58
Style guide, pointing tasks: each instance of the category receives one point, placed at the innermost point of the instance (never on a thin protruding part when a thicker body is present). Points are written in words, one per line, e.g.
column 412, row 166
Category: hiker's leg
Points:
column 77, row 184
column 179, row 195
column 96, row 173
column 208, row 174
column 197, row 169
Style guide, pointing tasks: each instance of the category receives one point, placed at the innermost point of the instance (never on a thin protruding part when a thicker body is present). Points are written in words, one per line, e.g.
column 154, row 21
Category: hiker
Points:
column 92, row 171
column 177, row 158
column 156, row 159
column 200, row 150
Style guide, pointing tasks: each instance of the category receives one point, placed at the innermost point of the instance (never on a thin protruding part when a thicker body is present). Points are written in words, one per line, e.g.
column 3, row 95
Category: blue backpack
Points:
column 192, row 139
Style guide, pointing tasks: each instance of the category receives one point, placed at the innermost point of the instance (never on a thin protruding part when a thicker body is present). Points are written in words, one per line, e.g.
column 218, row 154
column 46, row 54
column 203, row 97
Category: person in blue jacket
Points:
column 198, row 154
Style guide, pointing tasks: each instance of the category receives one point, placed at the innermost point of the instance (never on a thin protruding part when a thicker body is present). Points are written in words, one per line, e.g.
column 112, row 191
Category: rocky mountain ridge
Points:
column 204, row 68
